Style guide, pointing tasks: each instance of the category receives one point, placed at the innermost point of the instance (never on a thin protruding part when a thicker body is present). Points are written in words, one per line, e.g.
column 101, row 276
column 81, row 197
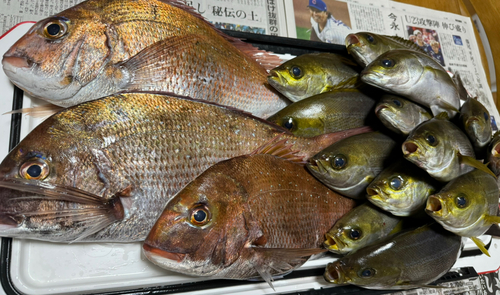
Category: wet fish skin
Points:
column 360, row 227
column 437, row 146
column 349, row 165
column 400, row 115
column 365, row 47
column 415, row 76
column 467, row 205
column 476, row 123
column 493, row 154
column 326, row 112
column 264, row 214
column 106, row 168
column 313, row 73
column 408, row 260
column 107, row 47
column 401, row 189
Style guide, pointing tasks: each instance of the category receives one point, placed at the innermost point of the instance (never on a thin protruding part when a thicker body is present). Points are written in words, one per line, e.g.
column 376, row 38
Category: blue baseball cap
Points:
column 318, row 4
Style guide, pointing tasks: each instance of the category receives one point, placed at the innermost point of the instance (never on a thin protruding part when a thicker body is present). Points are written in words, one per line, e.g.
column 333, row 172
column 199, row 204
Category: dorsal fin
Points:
column 278, row 147
column 262, row 57
column 462, row 91
column 405, row 43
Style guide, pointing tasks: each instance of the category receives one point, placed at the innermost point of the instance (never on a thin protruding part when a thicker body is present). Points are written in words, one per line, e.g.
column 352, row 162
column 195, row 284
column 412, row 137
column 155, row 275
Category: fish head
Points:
column 401, row 189
column 396, row 71
column 390, row 192
column 428, row 147
column 362, row 271
column 59, row 55
column 344, row 238
column 40, row 183
column 365, row 47
column 202, row 230
column 456, row 209
column 305, row 120
column 480, row 127
column 333, row 167
column 298, row 78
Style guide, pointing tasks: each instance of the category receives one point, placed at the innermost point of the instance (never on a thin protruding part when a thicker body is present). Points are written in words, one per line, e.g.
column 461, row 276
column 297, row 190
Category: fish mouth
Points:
column 153, row 251
column 318, row 166
column 409, row 148
column 275, row 78
column 351, row 39
column 333, row 274
column 373, row 192
column 12, row 63
column 495, row 151
column 330, row 243
column 434, row 206
column 380, row 107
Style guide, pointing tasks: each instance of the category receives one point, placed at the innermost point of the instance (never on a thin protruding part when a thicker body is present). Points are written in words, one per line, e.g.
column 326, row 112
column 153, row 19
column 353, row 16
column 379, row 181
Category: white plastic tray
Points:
column 50, row 268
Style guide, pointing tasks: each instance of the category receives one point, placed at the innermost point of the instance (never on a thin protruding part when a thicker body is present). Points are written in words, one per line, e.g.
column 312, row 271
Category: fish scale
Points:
column 282, row 207
column 139, row 148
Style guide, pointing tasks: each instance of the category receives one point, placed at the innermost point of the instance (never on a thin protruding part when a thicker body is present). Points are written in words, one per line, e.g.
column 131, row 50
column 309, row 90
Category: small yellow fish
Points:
column 467, row 205
column 313, row 73
column 405, row 261
column 326, row 112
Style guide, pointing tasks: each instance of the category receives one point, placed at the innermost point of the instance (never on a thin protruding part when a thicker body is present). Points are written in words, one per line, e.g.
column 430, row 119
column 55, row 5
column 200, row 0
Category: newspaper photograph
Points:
column 323, row 21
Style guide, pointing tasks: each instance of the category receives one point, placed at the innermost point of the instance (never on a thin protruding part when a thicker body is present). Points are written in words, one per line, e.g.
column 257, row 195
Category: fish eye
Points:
column 461, row 201
column 366, row 273
column 370, row 39
column 55, row 29
column 431, row 140
column 200, row 215
column 296, row 72
column 34, row 169
column 396, row 183
column 355, row 234
column 289, row 123
column 339, row 162
column 397, row 103
column 388, row 63
column 486, row 117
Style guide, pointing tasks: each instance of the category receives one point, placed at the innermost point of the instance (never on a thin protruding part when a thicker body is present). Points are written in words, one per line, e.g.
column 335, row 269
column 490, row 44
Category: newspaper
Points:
column 487, row 284
column 447, row 37
column 252, row 16
column 13, row 12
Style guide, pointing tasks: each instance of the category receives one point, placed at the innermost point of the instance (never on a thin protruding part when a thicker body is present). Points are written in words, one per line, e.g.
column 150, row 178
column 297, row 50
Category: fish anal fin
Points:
column 480, row 245
column 280, row 260
column 471, row 161
column 265, row 274
column 278, row 147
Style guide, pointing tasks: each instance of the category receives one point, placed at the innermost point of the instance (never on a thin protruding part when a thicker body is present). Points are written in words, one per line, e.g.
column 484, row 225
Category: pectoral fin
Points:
column 470, row 161
column 37, row 112
column 93, row 212
column 480, row 245
column 492, row 219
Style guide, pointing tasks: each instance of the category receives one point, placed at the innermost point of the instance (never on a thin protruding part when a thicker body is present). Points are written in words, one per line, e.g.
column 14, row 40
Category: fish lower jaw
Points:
column 162, row 258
